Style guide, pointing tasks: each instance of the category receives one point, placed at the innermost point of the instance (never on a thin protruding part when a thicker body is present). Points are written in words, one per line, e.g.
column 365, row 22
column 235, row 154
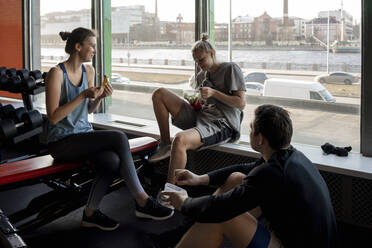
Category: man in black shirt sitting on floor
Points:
column 283, row 184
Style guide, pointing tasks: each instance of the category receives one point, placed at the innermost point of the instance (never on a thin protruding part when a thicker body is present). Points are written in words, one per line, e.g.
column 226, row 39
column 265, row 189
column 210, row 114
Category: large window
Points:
column 151, row 47
column 297, row 41
column 57, row 16
column 301, row 41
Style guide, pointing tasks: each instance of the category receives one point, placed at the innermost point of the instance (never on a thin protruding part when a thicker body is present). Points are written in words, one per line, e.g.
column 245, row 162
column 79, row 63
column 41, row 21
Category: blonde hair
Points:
column 203, row 45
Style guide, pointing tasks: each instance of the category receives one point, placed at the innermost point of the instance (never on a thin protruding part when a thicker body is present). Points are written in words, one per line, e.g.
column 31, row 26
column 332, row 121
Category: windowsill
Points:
column 354, row 165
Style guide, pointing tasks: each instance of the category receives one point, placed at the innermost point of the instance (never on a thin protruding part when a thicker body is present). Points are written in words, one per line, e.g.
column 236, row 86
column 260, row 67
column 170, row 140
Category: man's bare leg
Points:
column 239, row 230
column 186, row 140
column 165, row 102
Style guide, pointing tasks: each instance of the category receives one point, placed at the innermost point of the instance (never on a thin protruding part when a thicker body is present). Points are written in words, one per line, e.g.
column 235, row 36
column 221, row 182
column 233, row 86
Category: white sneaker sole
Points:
column 88, row 224
column 147, row 216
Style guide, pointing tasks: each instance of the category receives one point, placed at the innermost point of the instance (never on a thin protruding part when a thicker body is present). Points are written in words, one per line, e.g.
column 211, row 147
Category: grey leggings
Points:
column 110, row 154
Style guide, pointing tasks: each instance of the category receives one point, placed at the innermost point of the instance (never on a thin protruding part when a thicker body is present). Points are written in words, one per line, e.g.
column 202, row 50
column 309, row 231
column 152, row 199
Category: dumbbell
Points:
column 30, row 120
column 11, row 72
column 14, row 84
column 34, row 80
column 8, row 112
column 3, row 81
column 17, row 114
column 2, row 70
column 11, row 79
column 44, row 75
column 5, row 111
column 23, row 73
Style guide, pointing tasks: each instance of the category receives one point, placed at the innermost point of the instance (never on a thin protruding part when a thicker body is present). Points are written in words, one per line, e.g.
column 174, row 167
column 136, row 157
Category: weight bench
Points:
column 70, row 183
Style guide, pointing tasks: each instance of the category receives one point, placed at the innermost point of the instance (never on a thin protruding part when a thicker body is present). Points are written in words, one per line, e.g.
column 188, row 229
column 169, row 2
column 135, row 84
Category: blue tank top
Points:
column 77, row 120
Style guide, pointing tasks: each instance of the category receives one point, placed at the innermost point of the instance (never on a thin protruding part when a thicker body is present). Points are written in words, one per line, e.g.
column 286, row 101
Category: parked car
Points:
column 337, row 77
column 117, row 78
column 259, row 77
column 299, row 89
column 254, row 88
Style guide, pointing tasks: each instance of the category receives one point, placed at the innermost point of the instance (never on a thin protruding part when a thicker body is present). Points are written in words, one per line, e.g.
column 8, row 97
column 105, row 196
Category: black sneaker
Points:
column 98, row 219
column 153, row 210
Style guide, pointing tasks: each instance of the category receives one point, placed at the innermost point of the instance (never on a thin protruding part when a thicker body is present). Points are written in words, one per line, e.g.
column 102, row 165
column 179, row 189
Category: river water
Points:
column 246, row 56
column 299, row 57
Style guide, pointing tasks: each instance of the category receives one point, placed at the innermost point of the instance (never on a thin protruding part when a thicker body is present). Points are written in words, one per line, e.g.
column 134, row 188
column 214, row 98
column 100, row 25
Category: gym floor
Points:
column 132, row 233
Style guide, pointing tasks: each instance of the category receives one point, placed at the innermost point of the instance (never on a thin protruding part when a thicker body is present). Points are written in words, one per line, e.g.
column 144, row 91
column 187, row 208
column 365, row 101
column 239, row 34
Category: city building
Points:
column 53, row 23
column 317, row 29
column 343, row 17
column 265, row 29
column 242, row 28
column 122, row 19
column 221, row 32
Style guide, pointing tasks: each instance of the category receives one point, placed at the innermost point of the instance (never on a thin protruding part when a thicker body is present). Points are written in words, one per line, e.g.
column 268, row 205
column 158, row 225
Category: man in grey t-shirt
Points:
column 226, row 79
column 222, row 90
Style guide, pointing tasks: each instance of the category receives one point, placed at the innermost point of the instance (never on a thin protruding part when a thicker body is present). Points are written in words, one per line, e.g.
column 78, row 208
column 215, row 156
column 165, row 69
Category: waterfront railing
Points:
column 245, row 65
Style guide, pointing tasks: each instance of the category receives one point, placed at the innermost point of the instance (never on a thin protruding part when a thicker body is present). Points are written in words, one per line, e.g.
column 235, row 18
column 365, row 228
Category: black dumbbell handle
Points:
column 19, row 124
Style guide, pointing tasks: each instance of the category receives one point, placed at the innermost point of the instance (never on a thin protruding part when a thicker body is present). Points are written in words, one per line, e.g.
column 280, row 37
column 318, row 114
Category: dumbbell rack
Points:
column 26, row 96
column 27, row 102
column 26, row 135
column 13, row 146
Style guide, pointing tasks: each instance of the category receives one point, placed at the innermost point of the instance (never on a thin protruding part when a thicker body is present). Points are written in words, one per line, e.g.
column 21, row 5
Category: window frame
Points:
column 366, row 87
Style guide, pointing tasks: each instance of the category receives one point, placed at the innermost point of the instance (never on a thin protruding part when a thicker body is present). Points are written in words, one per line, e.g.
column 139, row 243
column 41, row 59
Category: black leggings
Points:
column 110, row 154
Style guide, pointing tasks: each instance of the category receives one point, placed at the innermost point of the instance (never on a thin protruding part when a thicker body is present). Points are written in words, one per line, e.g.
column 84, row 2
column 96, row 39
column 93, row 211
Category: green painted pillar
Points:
column 107, row 44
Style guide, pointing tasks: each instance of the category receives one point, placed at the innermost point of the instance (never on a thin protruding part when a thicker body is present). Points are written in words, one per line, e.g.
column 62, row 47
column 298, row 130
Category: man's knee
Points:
column 179, row 142
column 158, row 94
column 235, row 178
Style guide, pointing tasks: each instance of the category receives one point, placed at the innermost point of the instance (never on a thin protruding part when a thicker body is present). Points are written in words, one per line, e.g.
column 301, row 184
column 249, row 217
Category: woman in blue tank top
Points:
column 70, row 97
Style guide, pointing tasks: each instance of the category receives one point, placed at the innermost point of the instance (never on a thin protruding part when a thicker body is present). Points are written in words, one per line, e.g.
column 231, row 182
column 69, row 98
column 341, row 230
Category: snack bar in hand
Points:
column 105, row 81
column 194, row 100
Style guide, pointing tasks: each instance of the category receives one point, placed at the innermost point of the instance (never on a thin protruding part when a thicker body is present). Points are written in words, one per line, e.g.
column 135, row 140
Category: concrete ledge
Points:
column 354, row 165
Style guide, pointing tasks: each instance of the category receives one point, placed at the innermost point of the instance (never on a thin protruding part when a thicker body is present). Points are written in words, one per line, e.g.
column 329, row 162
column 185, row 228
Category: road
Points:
column 188, row 71
column 185, row 86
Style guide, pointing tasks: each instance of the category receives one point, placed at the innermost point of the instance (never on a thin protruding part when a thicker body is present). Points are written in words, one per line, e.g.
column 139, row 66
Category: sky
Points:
column 168, row 10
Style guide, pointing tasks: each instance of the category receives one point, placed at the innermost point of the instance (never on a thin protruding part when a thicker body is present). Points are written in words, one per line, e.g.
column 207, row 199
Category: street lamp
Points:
column 128, row 53
column 328, row 45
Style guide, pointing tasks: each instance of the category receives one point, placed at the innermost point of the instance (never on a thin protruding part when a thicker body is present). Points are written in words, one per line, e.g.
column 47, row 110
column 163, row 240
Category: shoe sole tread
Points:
column 147, row 216
column 89, row 224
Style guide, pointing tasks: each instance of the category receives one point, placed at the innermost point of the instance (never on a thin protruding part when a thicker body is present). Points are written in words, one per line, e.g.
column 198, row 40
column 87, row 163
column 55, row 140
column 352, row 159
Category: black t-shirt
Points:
column 290, row 191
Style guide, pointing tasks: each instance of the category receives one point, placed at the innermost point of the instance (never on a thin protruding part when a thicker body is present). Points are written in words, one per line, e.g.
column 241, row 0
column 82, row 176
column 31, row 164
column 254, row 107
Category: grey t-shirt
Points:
column 227, row 78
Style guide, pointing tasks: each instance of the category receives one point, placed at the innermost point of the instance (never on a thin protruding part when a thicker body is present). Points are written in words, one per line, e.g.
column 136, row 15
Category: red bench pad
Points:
column 44, row 165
